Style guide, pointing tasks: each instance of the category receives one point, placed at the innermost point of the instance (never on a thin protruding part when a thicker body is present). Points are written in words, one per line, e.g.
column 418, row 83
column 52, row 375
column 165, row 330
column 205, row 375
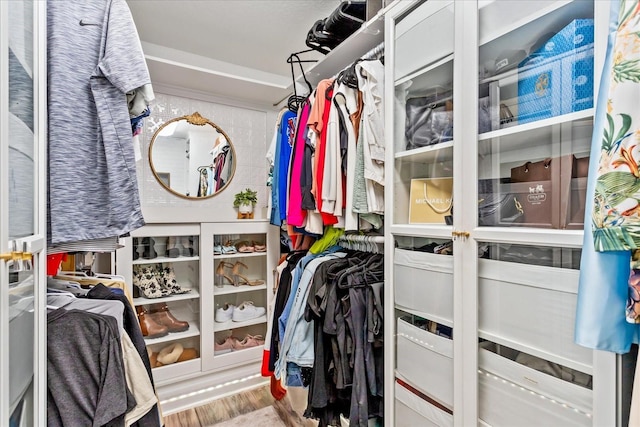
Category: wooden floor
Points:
column 232, row 406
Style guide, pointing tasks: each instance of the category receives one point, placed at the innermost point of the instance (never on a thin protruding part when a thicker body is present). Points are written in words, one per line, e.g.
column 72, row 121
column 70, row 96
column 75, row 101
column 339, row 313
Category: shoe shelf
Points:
column 159, row 260
column 230, row 289
column 239, row 255
column 168, row 372
column 226, row 326
column 194, row 294
column 245, row 351
column 193, row 331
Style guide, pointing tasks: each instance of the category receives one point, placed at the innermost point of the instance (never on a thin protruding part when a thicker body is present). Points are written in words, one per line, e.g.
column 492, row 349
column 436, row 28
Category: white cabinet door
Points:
column 22, row 213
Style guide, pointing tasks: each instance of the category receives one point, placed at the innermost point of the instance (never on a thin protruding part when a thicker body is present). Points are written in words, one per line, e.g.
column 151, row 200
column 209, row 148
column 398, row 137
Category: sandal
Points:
column 239, row 279
column 221, row 274
column 244, row 247
column 228, row 248
column 259, row 247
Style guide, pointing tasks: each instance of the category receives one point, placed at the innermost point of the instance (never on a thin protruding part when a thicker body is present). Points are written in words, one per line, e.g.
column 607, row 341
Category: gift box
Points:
column 577, row 34
column 557, row 78
column 549, row 87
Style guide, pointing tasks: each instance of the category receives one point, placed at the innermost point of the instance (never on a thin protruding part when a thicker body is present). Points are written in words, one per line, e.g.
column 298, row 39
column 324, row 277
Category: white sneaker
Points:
column 247, row 311
column 224, row 313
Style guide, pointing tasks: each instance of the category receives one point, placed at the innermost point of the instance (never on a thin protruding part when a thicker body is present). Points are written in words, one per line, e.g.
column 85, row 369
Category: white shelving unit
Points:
column 470, row 328
column 197, row 272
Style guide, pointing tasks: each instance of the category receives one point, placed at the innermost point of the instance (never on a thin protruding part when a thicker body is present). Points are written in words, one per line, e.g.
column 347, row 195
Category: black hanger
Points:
column 295, row 101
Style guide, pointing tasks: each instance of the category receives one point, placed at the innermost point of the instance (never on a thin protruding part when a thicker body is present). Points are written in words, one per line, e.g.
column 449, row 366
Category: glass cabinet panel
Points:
column 423, row 116
column 536, row 91
column 536, row 98
column 22, row 143
column 166, row 295
column 240, row 296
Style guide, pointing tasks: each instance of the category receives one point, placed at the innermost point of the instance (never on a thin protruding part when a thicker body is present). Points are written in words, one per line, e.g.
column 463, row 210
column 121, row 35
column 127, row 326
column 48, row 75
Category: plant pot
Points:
column 245, row 209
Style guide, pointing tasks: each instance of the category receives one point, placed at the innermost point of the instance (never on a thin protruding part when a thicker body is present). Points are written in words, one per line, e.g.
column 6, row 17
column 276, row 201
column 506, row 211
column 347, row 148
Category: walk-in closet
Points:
column 357, row 213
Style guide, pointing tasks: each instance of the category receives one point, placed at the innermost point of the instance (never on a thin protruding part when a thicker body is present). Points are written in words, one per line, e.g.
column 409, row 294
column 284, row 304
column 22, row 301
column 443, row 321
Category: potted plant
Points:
column 245, row 201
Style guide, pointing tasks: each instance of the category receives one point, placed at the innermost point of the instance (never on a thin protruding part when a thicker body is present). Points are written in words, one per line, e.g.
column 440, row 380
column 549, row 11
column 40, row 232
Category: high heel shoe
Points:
column 145, row 279
column 240, row 279
column 221, row 274
column 167, row 279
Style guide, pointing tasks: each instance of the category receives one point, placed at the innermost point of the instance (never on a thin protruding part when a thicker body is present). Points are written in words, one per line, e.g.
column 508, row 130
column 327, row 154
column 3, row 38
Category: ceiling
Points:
column 231, row 48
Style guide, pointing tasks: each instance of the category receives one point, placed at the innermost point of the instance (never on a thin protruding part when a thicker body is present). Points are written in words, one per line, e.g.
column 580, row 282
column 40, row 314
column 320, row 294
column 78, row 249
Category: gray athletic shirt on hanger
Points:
column 94, row 59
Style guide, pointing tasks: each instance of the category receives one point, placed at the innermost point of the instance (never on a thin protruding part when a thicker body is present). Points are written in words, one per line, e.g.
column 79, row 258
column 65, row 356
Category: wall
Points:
column 250, row 130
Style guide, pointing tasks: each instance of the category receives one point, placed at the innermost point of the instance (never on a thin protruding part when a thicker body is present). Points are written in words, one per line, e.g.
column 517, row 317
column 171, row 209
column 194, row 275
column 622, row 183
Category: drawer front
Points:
column 532, row 307
column 412, row 411
column 425, row 359
column 513, row 394
column 424, row 282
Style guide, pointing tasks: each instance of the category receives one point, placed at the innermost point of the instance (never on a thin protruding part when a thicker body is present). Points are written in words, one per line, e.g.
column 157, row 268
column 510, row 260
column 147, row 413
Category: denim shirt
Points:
column 297, row 333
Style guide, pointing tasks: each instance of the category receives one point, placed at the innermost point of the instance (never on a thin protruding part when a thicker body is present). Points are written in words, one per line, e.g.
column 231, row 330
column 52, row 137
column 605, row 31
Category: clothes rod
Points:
column 362, row 238
column 376, row 51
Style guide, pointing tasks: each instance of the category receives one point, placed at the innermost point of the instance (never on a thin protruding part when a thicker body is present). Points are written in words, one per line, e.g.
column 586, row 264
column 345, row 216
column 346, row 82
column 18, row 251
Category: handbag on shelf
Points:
column 429, row 120
column 543, row 189
column 499, row 209
column 496, row 208
column 431, row 200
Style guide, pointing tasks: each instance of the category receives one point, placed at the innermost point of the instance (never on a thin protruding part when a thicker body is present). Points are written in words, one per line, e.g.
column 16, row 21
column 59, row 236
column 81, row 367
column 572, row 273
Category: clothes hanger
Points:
column 295, row 101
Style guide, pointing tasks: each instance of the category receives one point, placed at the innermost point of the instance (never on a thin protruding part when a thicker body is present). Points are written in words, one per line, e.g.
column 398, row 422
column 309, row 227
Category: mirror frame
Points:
column 198, row 120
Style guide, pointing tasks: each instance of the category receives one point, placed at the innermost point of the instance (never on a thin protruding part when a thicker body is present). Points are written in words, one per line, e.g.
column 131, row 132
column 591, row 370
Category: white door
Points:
column 22, row 213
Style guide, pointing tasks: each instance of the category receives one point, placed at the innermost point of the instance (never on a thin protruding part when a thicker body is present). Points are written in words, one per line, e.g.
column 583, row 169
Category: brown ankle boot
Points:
column 149, row 327
column 161, row 314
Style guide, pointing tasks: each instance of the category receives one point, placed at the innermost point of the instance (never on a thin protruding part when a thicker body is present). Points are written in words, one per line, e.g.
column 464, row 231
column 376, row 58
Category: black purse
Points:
column 429, row 121
column 499, row 209
column 496, row 208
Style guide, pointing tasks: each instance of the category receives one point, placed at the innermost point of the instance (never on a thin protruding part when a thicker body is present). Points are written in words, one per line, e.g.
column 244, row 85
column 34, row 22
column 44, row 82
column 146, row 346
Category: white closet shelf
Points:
column 240, row 255
column 230, row 289
column 529, row 236
column 165, row 260
column 194, row 294
column 524, row 23
column 426, row 315
column 437, row 231
column 438, row 152
column 193, row 331
column 162, row 373
column 226, row 326
column 368, row 36
column 587, row 369
column 252, row 352
column 538, row 129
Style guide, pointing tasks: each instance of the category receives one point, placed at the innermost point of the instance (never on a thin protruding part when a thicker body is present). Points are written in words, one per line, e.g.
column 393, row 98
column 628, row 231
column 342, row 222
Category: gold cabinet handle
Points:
column 6, row 256
column 463, row 234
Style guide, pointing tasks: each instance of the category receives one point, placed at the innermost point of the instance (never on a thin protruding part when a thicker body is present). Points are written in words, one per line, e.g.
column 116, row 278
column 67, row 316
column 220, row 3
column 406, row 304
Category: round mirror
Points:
column 192, row 157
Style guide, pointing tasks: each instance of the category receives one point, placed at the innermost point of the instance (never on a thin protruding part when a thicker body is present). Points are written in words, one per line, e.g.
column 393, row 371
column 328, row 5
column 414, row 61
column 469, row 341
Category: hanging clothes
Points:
column 604, row 275
column 296, row 215
column 282, row 156
column 94, row 60
column 328, row 322
column 93, row 397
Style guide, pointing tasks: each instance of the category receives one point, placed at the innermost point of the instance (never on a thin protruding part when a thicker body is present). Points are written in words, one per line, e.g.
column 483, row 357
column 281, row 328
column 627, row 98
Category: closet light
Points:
column 417, row 340
column 209, row 389
column 541, row 396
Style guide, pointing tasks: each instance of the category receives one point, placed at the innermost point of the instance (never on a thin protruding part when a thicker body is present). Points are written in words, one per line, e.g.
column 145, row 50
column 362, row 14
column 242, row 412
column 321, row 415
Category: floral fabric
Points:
column 616, row 209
